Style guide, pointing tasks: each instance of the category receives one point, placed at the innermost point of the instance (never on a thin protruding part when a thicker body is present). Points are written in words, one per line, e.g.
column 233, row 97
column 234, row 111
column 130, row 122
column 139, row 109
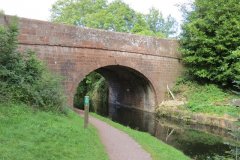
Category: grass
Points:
column 207, row 98
column 157, row 149
column 26, row 134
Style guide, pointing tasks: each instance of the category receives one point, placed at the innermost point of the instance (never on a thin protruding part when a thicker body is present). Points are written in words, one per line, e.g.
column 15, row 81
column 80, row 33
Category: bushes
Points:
column 23, row 78
column 210, row 41
column 84, row 87
column 95, row 86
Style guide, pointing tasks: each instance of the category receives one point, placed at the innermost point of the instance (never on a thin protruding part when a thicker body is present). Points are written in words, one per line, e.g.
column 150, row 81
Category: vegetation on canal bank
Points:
column 202, row 103
column 155, row 147
column 33, row 134
column 206, row 98
column 206, row 104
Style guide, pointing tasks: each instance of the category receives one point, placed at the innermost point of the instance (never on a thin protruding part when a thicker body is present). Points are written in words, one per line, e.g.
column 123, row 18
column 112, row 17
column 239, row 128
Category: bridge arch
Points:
column 127, row 87
column 74, row 52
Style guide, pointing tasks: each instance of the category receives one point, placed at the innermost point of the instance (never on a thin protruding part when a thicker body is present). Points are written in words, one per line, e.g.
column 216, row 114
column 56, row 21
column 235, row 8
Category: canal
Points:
column 197, row 141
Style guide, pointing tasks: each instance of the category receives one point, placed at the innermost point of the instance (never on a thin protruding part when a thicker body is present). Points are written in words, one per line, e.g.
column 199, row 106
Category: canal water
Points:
column 197, row 141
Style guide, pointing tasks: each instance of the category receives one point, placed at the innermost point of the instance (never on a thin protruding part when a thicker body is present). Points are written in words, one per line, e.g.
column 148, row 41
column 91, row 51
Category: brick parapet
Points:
column 35, row 32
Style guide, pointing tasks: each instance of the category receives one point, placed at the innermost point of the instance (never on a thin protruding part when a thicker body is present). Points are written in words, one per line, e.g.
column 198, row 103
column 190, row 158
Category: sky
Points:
column 40, row 9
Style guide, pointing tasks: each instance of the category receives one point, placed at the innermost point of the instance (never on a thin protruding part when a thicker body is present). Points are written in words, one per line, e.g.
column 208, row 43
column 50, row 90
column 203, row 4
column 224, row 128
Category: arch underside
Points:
column 128, row 88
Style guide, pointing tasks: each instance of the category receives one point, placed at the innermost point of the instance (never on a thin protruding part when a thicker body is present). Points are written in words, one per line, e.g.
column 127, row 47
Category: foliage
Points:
column 93, row 85
column 30, row 134
column 158, row 24
column 99, row 97
column 75, row 12
column 211, row 39
column 114, row 16
column 148, row 142
column 86, row 85
column 23, row 78
column 206, row 98
column 142, row 28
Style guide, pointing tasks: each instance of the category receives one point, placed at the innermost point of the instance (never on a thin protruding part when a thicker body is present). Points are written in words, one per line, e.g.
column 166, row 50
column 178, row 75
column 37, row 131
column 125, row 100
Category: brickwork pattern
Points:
column 74, row 52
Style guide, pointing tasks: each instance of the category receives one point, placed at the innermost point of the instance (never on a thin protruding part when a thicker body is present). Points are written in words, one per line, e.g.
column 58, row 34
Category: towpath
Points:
column 118, row 144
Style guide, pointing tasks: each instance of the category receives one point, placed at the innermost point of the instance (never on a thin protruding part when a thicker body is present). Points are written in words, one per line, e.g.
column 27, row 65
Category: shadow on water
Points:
column 200, row 142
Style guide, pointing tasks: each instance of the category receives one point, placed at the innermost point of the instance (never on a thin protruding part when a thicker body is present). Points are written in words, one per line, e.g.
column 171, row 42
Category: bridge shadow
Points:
column 116, row 86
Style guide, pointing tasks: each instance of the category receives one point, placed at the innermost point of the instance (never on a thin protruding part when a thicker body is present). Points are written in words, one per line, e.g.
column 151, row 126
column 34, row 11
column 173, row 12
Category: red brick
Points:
column 75, row 52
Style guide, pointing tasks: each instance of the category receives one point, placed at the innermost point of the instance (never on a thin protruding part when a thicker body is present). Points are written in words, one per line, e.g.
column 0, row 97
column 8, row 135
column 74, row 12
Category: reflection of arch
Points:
column 128, row 87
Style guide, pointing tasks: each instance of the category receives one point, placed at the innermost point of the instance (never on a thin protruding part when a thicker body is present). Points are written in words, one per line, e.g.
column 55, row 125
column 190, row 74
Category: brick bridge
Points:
column 137, row 68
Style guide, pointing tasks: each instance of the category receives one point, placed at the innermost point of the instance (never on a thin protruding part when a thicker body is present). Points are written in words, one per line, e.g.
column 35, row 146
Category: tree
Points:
column 210, row 41
column 160, row 25
column 115, row 16
column 118, row 16
column 141, row 27
column 76, row 12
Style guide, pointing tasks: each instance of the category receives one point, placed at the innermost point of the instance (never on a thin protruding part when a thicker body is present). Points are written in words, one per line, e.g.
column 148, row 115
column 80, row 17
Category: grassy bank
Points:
column 206, row 98
column 209, row 98
column 201, row 103
column 157, row 149
column 28, row 134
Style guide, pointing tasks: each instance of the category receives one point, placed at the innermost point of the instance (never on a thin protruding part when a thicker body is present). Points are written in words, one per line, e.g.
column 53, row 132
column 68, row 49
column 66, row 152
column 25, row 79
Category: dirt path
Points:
column 119, row 145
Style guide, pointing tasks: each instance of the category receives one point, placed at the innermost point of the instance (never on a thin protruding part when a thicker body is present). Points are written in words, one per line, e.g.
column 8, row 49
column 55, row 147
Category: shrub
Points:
column 95, row 86
column 211, row 39
column 23, row 78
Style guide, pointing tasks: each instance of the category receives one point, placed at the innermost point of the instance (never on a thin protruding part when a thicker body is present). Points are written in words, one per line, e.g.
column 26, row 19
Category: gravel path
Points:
column 119, row 145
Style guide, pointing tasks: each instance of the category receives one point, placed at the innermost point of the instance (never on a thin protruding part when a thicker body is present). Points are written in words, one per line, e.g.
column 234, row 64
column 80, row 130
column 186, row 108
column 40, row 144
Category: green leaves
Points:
column 210, row 41
column 158, row 24
column 23, row 78
column 114, row 16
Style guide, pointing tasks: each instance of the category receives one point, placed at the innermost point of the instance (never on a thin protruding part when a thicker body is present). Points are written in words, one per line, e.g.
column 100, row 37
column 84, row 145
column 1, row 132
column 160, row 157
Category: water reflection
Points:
column 198, row 141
